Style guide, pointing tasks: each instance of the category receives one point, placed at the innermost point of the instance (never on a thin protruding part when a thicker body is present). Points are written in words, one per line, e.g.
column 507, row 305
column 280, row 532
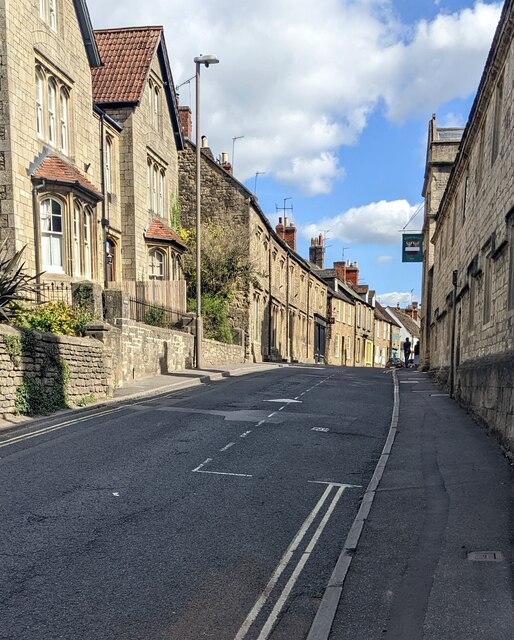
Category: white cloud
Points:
column 393, row 298
column 374, row 223
column 384, row 260
column 300, row 79
column 453, row 120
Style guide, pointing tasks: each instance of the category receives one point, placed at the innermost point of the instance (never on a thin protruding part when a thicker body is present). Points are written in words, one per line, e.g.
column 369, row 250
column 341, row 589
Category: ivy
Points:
column 45, row 394
column 13, row 346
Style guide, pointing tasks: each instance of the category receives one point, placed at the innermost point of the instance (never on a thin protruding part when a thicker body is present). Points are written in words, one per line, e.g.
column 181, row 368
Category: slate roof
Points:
column 53, row 168
column 407, row 321
column 382, row 314
column 126, row 55
column 159, row 230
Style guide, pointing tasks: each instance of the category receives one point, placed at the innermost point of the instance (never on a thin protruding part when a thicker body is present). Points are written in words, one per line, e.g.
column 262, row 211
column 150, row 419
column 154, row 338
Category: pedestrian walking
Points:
column 406, row 351
column 416, row 355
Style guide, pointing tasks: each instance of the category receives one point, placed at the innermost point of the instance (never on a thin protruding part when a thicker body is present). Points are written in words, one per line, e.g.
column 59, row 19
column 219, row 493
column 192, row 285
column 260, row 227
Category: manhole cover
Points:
column 485, row 556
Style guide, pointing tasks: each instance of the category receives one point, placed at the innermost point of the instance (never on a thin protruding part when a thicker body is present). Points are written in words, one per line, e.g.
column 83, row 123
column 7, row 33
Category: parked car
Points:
column 394, row 363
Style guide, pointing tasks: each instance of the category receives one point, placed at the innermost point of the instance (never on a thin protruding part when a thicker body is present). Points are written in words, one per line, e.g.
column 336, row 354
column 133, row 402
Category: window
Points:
column 156, row 187
column 40, row 88
column 88, row 271
column 52, row 110
column 349, row 314
column 256, row 319
column 498, row 105
column 77, row 258
column 52, row 93
column 156, row 264
column 156, row 101
column 48, row 12
column 149, row 184
column 64, row 120
column 480, row 158
column 471, row 313
column 161, row 193
column 487, row 289
column 337, row 343
column 348, row 348
column 108, row 164
column 42, row 9
column 511, row 264
column 51, row 214
column 465, row 198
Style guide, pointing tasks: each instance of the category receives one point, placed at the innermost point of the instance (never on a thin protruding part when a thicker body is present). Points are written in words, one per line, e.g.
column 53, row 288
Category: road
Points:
column 214, row 512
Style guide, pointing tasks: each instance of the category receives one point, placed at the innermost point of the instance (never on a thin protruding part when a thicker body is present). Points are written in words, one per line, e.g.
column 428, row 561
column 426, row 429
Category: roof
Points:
column 406, row 321
column 53, row 168
column 127, row 55
column 88, row 36
column 382, row 314
column 159, row 230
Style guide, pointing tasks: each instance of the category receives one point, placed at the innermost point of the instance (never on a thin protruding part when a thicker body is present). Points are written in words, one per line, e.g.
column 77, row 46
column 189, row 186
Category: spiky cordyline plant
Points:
column 14, row 282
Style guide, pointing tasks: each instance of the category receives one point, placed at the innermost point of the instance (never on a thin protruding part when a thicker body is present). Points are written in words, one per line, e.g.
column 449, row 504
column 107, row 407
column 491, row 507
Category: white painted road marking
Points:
column 284, row 562
column 230, row 444
column 246, row 433
column 286, row 400
column 225, row 473
column 322, row 429
column 200, row 466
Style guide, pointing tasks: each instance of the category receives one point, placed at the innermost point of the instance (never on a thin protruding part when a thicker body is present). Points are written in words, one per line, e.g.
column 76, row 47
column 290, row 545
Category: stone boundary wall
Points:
column 218, row 353
column 47, row 372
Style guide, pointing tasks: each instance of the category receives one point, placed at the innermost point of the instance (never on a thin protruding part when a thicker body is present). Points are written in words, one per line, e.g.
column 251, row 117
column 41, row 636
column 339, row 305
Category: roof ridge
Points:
column 120, row 29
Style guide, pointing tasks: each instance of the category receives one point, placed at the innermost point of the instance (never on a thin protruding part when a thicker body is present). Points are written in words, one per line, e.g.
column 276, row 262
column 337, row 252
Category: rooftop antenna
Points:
column 285, row 208
column 233, row 149
column 257, row 174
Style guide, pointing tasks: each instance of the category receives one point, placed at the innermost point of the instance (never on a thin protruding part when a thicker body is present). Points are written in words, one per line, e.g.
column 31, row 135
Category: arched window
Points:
column 64, row 120
column 155, row 173
column 108, row 163
column 161, row 193
column 42, row 9
column 40, row 92
column 88, row 249
column 156, row 105
column 150, row 101
column 52, row 96
column 156, row 264
column 51, row 216
column 76, row 244
column 149, row 184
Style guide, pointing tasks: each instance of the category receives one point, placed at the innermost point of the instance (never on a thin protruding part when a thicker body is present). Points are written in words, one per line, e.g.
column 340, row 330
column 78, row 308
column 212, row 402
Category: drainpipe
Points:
column 105, row 221
column 37, row 237
column 455, row 276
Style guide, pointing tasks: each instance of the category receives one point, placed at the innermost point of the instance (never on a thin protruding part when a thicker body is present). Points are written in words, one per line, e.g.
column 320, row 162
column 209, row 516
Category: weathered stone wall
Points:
column 217, row 353
column 50, row 372
column 486, row 388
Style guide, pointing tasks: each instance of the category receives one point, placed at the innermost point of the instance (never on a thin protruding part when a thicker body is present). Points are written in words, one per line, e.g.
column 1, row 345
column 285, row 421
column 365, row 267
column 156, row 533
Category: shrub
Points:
column 215, row 319
column 14, row 282
column 156, row 316
column 53, row 317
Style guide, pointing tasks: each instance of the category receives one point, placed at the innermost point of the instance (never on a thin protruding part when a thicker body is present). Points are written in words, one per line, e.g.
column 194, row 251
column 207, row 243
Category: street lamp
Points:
column 199, row 60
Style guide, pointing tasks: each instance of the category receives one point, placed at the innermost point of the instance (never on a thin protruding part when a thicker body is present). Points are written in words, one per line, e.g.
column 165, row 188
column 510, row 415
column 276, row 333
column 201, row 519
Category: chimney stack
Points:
column 224, row 163
column 186, row 122
column 347, row 272
column 287, row 232
column 317, row 252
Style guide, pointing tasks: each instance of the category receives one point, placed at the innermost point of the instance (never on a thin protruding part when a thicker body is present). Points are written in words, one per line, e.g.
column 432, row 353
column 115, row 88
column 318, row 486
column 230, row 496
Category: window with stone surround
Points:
column 488, row 279
column 154, row 103
column 156, row 264
column 480, row 158
column 52, row 109
column 82, row 241
column 108, row 165
column 48, row 13
column 51, row 219
column 156, row 187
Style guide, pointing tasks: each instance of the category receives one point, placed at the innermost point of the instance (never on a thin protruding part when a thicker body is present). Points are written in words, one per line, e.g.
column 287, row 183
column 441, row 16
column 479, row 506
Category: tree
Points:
column 226, row 272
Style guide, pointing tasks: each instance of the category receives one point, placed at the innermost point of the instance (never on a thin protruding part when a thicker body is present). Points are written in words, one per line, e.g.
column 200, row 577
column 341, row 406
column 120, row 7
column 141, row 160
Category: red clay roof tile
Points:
column 158, row 230
column 56, row 169
column 127, row 55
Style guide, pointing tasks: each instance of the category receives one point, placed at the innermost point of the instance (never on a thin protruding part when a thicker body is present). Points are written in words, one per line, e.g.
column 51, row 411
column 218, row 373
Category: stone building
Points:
column 134, row 86
column 442, row 147
column 383, row 336
column 283, row 313
column 472, row 289
column 50, row 165
column 408, row 327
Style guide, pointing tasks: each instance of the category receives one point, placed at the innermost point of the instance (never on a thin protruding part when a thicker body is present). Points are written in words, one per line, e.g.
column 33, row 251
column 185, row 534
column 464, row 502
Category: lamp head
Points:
column 206, row 60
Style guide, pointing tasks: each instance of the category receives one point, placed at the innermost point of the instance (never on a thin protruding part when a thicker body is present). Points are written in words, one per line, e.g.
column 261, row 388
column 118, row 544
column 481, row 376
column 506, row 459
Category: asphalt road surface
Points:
column 214, row 512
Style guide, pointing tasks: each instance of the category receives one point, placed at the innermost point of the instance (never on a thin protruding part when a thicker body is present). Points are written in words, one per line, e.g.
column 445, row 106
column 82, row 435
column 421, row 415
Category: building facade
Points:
column 472, row 310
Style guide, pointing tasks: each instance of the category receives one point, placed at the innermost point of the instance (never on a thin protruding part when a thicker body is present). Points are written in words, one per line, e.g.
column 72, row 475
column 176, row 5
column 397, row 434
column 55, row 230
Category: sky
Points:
column 333, row 100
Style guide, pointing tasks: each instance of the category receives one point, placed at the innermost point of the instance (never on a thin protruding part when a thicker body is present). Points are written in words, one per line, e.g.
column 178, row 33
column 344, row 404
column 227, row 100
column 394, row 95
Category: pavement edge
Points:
column 324, row 619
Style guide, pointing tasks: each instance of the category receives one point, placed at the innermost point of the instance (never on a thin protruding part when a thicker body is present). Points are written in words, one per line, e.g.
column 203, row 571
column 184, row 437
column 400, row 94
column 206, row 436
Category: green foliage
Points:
column 34, row 397
column 53, row 317
column 156, row 316
column 216, row 324
column 85, row 400
column 83, row 297
column 13, row 346
column 14, row 282
column 176, row 214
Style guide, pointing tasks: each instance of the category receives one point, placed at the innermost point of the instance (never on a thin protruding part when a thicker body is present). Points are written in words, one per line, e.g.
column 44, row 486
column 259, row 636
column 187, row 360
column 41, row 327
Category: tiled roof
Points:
column 126, row 55
column 382, row 314
column 407, row 321
column 55, row 169
column 158, row 230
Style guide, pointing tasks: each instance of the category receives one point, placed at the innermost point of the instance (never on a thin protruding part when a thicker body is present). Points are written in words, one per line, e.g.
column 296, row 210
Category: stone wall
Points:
column 486, row 388
column 41, row 373
column 216, row 353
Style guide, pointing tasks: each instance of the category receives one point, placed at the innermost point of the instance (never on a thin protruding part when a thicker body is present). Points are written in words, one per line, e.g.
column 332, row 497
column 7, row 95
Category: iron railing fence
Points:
column 158, row 316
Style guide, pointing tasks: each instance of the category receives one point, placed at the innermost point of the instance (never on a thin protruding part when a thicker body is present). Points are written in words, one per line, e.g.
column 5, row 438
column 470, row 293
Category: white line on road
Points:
column 247, row 433
column 225, row 473
column 286, row 558
column 227, row 446
column 272, row 414
column 200, row 466
column 279, row 605
column 261, row 422
column 335, row 484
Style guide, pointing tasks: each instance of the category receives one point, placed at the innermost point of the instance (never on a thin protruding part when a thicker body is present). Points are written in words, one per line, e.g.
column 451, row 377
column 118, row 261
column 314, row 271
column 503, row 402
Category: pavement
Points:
column 435, row 557
column 150, row 386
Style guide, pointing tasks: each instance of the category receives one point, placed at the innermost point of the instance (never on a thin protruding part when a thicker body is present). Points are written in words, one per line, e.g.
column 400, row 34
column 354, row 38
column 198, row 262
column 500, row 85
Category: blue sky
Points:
column 333, row 99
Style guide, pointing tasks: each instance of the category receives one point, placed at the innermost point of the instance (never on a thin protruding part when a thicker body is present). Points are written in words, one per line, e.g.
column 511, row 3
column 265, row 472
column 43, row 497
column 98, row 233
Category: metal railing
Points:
column 158, row 316
column 51, row 292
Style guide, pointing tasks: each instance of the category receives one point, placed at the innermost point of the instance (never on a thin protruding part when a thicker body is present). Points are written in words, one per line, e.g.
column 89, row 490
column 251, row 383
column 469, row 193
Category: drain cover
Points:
column 485, row 556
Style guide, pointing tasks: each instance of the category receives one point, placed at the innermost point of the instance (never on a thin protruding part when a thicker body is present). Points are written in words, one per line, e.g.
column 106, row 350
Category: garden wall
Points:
column 41, row 373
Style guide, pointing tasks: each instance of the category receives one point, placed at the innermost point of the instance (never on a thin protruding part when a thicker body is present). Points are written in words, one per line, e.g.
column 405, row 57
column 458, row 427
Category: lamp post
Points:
column 199, row 60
